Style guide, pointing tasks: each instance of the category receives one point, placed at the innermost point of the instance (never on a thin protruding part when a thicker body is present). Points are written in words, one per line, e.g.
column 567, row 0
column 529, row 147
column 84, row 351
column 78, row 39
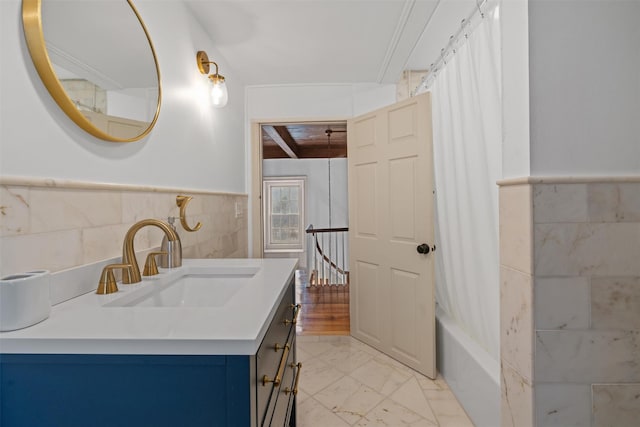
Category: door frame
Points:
column 256, row 215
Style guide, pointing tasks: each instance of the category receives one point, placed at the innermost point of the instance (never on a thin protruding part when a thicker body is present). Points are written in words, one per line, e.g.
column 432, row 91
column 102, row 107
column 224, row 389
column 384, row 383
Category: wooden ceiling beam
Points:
column 282, row 137
column 275, row 152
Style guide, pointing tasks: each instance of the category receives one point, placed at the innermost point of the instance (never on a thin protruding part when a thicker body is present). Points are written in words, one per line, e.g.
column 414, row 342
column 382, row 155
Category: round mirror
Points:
column 96, row 59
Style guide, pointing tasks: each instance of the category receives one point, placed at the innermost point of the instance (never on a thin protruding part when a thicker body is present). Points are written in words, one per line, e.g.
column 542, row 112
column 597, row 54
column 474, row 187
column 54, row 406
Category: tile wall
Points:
column 60, row 225
column 516, row 305
column 570, row 303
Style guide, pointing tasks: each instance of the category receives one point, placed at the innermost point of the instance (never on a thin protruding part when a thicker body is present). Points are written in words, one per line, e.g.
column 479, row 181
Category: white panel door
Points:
column 391, row 232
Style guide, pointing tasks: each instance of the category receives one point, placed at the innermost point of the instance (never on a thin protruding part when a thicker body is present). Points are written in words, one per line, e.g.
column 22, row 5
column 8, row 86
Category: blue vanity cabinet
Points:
column 51, row 390
column 80, row 390
column 276, row 368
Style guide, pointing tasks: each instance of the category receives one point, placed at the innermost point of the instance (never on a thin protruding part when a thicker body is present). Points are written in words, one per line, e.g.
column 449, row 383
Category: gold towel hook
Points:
column 182, row 202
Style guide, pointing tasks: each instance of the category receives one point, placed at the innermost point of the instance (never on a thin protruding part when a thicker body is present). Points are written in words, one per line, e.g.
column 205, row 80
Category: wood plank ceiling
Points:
column 304, row 140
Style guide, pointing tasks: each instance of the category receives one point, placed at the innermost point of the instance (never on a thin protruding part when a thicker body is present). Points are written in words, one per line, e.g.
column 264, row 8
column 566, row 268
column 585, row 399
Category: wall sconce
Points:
column 219, row 94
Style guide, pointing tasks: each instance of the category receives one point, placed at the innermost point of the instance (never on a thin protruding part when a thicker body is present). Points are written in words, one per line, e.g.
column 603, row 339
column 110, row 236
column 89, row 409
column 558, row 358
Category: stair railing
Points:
column 327, row 256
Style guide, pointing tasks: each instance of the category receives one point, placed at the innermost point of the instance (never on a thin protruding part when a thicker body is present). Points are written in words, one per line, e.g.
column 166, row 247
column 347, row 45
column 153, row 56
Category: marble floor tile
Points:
column 429, row 384
column 411, row 396
column 311, row 413
column 349, row 399
column 346, row 359
column 301, row 396
column 316, row 375
column 381, row 376
column 347, row 383
column 454, row 421
column 446, row 408
column 391, row 414
column 302, row 355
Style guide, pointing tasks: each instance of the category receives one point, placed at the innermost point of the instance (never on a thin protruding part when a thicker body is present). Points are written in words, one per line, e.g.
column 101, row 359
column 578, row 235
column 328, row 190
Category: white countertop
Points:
column 84, row 326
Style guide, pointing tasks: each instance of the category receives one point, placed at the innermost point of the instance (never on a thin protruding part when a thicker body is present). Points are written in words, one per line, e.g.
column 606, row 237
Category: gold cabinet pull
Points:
column 283, row 361
column 295, row 385
column 296, row 308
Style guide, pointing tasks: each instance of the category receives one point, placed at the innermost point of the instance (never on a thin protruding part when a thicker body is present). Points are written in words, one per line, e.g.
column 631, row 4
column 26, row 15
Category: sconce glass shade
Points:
column 219, row 93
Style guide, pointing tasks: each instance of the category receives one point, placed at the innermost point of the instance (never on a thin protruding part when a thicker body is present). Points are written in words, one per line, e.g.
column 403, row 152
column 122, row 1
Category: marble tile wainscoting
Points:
column 570, row 302
column 59, row 225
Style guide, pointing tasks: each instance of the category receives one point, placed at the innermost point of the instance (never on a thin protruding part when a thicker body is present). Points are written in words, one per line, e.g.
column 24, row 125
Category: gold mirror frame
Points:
column 34, row 35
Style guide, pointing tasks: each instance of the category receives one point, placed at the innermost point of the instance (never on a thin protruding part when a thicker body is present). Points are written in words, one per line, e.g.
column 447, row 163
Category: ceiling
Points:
column 325, row 41
column 319, row 41
column 304, row 140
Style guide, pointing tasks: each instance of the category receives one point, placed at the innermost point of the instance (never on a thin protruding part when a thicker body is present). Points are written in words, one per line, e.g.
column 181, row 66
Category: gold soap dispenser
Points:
column 172, row 256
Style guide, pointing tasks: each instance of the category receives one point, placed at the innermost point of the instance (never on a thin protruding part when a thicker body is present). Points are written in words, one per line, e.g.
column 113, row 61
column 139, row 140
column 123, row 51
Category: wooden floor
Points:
column 325, row 309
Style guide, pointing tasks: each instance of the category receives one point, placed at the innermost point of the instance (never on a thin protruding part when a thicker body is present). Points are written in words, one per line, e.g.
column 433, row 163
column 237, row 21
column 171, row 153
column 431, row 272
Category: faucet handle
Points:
column 107, row 283
column 150, row 265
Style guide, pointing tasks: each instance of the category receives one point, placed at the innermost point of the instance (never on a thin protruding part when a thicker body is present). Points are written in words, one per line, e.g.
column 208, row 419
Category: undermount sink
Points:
column 202, row 287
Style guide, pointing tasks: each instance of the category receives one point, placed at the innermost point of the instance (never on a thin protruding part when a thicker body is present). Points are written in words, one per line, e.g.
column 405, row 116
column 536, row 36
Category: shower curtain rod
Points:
column 450, row 47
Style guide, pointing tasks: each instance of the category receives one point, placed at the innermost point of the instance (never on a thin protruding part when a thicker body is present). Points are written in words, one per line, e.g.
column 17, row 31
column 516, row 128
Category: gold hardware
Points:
column 219, row 92
column 278, row 379
column 129, row 254
column 278, row 347
column 34, row 36
column 107, row 283
column 150, row 265
column 296, row 308
column 295, row 386
column 182, row 202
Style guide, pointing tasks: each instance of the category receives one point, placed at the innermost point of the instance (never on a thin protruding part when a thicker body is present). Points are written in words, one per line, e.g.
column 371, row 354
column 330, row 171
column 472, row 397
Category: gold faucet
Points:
column 107, row 283
column 128, row 253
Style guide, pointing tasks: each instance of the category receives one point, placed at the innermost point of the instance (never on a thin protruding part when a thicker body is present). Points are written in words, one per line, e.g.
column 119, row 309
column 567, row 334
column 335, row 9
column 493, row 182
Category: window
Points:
column 284, row 214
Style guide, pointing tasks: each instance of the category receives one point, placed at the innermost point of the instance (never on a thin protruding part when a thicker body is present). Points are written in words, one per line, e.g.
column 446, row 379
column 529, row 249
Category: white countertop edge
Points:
column 173, row 347
column 47, row 340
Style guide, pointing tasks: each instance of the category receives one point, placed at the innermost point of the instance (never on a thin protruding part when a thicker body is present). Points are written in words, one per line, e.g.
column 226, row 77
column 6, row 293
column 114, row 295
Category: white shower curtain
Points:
column 467, row 135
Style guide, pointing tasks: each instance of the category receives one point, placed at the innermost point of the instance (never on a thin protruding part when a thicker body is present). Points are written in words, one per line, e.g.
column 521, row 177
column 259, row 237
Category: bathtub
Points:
column 472, row 374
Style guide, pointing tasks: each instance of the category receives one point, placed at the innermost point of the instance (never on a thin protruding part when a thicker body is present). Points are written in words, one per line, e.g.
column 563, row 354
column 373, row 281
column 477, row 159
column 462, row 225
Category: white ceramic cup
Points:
column 24, row 300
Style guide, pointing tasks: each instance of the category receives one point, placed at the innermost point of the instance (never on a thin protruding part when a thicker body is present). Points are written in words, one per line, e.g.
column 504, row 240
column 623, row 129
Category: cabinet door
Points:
column 285, row 396
column 79, row 390
column 277, row 349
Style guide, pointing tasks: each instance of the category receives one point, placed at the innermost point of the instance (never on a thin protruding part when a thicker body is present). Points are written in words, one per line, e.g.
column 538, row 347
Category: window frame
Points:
column 289, row 181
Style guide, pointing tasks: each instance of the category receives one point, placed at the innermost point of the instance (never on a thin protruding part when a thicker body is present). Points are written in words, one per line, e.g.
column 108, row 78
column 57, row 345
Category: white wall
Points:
column 516, row 157
column 316, row 100
column 191, row 146
column 316, row 171
column 585, row 87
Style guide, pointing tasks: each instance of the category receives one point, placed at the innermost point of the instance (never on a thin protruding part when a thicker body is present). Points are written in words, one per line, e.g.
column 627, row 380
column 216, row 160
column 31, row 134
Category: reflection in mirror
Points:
column 97, row 61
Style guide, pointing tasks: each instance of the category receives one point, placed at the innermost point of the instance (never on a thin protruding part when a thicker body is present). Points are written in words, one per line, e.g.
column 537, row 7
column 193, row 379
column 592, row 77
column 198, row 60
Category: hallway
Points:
column 325, row 309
